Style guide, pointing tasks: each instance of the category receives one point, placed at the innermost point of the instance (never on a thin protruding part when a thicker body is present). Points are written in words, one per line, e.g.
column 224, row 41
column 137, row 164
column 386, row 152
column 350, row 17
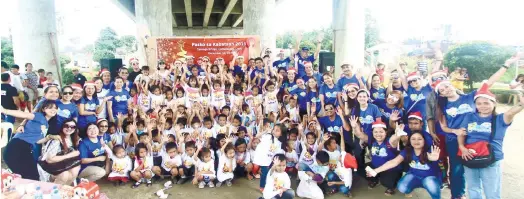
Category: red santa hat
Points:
column 351, row 85
column 76, row 86
column 412, row 76
column 100, row 120
column 104, row 70
column 133, row 60
column 349, row 161
column 484, row 92
column 291, row 70
column 416, row 115
column 364, row 90
column 439, row 83
column 189, row 56
column 378, row 124
column 89, row 83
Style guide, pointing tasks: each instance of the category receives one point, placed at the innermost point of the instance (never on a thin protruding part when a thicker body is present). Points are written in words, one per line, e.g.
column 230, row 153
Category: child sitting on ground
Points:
column 227, row 164
column 171, row 161
column 278, row 184
column 121, row 165
column 205, row 168
column 143, row 165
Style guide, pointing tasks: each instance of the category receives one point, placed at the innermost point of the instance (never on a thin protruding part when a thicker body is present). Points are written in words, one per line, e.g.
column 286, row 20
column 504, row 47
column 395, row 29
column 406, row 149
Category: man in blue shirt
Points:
column 310, row 73
column 333, row 122
column 283, row 62
column 304, row 55
column 348, row 77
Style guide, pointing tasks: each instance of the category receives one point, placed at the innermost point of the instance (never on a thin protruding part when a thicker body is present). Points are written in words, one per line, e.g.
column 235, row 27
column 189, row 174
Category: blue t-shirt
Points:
column 314, row 99
column 65, row 111
column 88, row 149
column 301, row 67
column 415, row 101
column 386, row 111
column 430, row 168
column 456, row 111
column 381, row 153
column 367, row 117
column 107, row 86
column 237, row 69
column 262, row 78
column 290, row 86
column 302, row 98
column 379, row 93
column 33, row 129
column 119, row 101
column 89, row 105
column 343, row 81
column 330, row 94
column 479, row 129
column 331, row 126
column 317, row 77
column 282, row 63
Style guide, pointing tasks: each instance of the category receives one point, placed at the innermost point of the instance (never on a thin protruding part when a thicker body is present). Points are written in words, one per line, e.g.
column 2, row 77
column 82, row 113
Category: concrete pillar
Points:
column 153, row 19
column 259, row 20
column 34, row 35
column 349, row 33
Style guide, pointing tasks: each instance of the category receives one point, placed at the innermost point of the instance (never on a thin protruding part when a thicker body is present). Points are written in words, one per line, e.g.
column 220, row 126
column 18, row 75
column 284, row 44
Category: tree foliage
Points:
column 481, row 58
column 106, row 44
column 372, row 31
column 67, row 74
column 128, row 43
column 7, row 51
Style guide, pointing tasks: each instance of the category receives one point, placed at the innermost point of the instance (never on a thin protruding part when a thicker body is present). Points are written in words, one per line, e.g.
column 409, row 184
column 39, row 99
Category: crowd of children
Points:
column 214, row 123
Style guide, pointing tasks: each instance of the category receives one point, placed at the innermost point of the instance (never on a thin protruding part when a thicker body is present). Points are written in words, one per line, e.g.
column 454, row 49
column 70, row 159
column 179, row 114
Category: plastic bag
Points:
column 308, row 188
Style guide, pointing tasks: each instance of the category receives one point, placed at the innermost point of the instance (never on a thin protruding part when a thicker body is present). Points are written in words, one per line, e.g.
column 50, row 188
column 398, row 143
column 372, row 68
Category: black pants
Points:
column 18, row 156
column 387, row 178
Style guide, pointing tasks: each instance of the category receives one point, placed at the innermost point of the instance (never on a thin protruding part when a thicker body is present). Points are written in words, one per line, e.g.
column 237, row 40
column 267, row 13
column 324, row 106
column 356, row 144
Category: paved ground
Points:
column 512, row 179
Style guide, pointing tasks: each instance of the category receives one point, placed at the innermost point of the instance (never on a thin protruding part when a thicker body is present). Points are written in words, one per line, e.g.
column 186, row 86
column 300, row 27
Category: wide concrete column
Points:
column 154, row 18
column 349, row 33
column 34, row 35
column 259, row 20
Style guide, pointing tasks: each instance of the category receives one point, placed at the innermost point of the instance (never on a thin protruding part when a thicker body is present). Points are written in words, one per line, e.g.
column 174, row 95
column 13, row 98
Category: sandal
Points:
column 331, row 192
column 137, row 184
column 389, row 192
column 372, row 184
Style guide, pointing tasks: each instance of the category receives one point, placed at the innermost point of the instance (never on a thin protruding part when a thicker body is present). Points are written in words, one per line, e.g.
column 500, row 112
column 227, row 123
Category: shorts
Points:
column 30, row 95
column 40, row 92
column 164, row 172
column 189, row 171
column 157, row 161
column 240, row 171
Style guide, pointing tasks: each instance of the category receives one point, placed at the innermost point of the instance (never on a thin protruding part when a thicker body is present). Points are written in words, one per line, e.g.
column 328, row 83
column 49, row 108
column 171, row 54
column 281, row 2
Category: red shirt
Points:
column 42, row 80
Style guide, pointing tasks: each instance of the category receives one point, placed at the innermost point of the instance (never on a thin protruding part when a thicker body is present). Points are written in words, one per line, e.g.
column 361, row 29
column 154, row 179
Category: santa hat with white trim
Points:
column 76, row 86
column 291, row 70
column 439, row 84
column 378, row 124
column 412, row 76
column 415, row 115
column 484, row 92
column 364, row 90
column 351, row 85
column 133, row 60
column 89, row 83
column 104, row 70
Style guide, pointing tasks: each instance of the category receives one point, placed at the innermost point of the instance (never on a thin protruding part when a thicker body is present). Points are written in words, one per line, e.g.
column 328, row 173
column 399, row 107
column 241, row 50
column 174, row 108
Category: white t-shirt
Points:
column 266, row 149
column 292, row 159
column 224, row 163
column 118, row 137
column 101, row 95
column 333, row 158
column 244, row 157
column 120, row 166
column 343, row 173
column 147, row 161
column 16, row 81
column 156, row 100
column 144, row 101
column 271, row 101
column 176, row 161
column 188, row 161
column 206, row 166
column 274, row 183
column 207, row 133
column 218, row 98
column 306, row 156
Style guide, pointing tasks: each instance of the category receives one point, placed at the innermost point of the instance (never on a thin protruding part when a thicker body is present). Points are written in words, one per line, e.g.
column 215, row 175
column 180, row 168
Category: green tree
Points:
column 372, row 31
column 129, row 43
column 7, row 51
column 481, row 58
column 106, row 45
column 67, row 74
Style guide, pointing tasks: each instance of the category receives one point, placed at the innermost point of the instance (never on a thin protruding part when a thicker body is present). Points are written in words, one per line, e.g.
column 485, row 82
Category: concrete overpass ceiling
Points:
column 223, row 13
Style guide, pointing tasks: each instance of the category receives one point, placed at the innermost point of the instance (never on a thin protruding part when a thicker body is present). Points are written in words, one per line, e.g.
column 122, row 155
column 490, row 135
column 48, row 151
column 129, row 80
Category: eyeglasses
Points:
column 352, row 91
column 67, row 93
column 124, row 73
column 411, row 81
column 70, row 126
column 329, row 109
column 103, row 126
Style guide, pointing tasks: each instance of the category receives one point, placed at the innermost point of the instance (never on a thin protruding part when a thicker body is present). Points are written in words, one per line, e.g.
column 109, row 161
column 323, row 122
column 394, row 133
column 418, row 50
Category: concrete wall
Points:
column 209, row 31
column 34, row 35
column 259, row 20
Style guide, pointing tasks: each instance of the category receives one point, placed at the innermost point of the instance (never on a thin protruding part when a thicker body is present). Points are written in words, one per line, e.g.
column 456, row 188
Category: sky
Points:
column 499, row 21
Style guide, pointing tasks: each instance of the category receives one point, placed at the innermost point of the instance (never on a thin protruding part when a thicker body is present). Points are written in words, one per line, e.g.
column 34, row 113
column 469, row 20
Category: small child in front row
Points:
column 143, row 165
column 278, row 184
column 226, row 164
column 243, row 159
column 205, row 168
column 171, row 161
column 121, row 166
column 188, row 163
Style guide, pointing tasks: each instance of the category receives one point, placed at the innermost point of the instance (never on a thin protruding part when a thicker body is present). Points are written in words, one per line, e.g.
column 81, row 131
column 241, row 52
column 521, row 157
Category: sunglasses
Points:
column 104, row 126
column 67, row 93
column 70, row 126
column 411, row 81
column 124, row 73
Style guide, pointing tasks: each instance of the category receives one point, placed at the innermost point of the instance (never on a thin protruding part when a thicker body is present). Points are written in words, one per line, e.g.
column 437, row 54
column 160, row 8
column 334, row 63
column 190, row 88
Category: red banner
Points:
column 171, row 49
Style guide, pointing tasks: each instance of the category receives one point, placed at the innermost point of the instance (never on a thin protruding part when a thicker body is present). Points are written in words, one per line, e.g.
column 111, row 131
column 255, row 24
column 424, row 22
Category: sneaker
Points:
column 182, row 180
column 121, row 183
column 389, row 192
column 210, row 184
column 201, row 185
column 137, row 184
column 372, row 184
column 257, row 176
column 229, row 183
column 149, row 183
column 218, row 184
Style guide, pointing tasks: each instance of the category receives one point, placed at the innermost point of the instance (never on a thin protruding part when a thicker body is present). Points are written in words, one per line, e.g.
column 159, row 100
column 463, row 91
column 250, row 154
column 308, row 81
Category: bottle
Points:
column 55, row 193
column 38, row 193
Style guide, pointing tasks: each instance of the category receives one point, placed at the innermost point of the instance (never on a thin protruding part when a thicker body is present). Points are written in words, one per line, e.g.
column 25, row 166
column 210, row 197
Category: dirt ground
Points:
column 511, row 179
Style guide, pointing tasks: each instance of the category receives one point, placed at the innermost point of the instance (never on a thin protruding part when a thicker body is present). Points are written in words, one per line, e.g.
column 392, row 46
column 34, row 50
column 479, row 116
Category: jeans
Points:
column 484, row 179
column 456, row 170
column 264, row 170
column 333, row 177
column 10, row 119
column 409, row 182
column 289, row 194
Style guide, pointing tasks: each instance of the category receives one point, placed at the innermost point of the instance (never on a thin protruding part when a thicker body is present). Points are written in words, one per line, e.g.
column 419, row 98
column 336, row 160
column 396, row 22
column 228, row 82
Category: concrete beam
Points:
column 238, row 20
column 229, row 7
column 174, row 20
column 189, row 14
column 207, row 14
column 123, row 8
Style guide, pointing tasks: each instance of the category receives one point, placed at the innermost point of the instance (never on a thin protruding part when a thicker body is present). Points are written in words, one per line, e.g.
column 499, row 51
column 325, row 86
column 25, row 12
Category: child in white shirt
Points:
column 226, row 164
column 278, row 183
column 121, row 165
column 205, row 168
column 143, row 165
column 171, row 161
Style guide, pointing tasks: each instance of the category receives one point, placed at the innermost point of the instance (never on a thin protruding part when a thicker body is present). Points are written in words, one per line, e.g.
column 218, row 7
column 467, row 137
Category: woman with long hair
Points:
column 118, row 100
column 101, row 93
column 313, row 103
column 423, row 170
column 19, row 151
column 486, row 125
column 375, row 88
column 66, row 109
column 89, row 106
column 328, row 91
column 393, row 103
column 62, row 152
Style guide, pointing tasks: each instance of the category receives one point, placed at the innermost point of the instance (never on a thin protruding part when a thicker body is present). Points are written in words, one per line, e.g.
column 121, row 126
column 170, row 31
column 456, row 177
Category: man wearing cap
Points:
column 79, row 78
column 303, row 55
column 283, row 62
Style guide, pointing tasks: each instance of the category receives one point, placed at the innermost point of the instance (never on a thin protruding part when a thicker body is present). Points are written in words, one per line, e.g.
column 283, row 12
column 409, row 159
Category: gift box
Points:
column 86, row 190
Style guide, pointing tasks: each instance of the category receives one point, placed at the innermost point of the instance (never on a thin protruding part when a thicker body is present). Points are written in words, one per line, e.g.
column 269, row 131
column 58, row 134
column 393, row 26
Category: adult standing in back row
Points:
column 304, row 56
column 79, row 78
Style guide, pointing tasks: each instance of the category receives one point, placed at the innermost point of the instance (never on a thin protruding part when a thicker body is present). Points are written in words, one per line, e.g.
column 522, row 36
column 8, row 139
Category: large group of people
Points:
column 258, row 118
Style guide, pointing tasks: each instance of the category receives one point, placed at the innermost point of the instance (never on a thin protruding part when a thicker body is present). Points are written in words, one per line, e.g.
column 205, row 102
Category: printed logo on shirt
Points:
column 292, row 88
column 315, row 100
column 415, row 97
column 120, row 98
column 278, row 184
column 378, row 95
column 416, row 165
column 386, row 114
column 485, row 127
column 333, row 129
column 331, row 94
column 90, row 106
column 65, row 113
column 118, row 166
column 366, row 120
column 379, row 152
column 3, row 93
column 303, row 94
column 462, row 109
column 98, row 152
